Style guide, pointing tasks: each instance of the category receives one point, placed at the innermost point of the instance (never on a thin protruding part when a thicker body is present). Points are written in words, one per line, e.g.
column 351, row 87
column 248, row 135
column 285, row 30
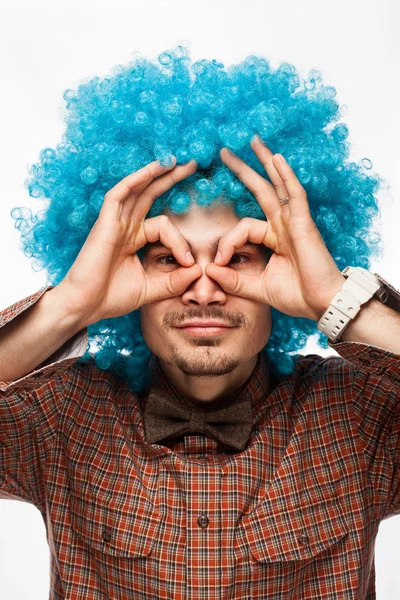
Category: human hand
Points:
column 107, row 278
column 301, row 277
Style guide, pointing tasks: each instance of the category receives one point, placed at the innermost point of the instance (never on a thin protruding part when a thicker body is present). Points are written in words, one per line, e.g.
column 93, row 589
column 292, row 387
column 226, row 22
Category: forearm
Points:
column 376, row 325
column 34, row 335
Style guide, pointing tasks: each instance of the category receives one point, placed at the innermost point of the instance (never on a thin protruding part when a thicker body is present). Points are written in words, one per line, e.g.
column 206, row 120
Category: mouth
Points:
column 204, row 328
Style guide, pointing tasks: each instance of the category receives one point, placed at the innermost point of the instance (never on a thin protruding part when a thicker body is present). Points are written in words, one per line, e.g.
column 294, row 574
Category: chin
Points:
column 204, row 362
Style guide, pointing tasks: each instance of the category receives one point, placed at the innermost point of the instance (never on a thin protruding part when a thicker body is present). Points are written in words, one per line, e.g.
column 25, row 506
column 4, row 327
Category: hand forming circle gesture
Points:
column 107, row 278
column 301, row 277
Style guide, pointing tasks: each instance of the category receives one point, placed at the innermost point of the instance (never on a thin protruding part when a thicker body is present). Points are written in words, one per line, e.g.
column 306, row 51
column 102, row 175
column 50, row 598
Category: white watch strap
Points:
column 358, row 288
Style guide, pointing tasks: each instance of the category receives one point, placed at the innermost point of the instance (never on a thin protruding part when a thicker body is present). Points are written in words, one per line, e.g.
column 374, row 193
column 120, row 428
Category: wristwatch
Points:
column 360, row 286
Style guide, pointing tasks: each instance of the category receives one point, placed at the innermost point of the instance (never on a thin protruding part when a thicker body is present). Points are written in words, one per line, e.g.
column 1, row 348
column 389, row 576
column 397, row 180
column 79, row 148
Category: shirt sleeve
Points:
column 375, row 393
column 29, row 409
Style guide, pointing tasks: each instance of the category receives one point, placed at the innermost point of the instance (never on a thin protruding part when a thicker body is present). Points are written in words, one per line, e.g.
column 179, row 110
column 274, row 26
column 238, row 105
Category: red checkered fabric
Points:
column 293, row 516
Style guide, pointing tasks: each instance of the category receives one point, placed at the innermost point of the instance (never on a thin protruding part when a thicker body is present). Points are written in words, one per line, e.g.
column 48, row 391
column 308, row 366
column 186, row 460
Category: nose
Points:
column 204, row 291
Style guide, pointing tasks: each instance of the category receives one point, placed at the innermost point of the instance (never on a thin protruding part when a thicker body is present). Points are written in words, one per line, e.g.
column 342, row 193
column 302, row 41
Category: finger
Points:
column 247, row 230
column 162, row 229
column 235, row 283
column 156, row 188
column 133, row 183
column 165, row 285
column 264, row 154
column 298, row 204
column 263, row 190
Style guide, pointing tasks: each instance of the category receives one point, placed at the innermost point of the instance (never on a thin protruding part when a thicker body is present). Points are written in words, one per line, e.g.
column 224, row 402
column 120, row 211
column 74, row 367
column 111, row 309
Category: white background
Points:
column 47, row 47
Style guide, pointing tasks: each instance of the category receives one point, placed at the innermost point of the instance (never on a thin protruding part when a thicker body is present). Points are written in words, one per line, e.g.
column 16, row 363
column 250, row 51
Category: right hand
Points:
column 107, row 278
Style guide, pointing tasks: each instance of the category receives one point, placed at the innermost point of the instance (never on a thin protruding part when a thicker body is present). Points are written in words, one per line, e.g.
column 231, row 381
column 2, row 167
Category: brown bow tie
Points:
column 166, row 417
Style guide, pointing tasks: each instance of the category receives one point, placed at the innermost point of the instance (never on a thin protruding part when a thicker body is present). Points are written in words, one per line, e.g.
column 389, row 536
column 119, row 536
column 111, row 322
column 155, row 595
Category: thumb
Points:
column 166, row 285
column 238, row 284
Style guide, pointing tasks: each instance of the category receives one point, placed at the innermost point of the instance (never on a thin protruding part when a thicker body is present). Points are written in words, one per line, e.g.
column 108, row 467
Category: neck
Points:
column 208, row 389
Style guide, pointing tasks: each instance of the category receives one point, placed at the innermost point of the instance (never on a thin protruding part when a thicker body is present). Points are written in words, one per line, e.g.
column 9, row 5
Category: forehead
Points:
column 204, row 223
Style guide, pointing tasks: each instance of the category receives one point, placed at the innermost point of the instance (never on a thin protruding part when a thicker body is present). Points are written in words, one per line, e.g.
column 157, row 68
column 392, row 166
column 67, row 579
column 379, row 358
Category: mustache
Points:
column 233, row 319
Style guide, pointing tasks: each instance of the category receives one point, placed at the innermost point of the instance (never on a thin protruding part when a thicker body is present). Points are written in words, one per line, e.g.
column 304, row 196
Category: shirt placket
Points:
column 203, row 545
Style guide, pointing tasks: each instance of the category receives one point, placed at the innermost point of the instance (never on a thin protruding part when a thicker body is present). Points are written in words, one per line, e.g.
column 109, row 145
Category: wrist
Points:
column 66, row 317
column 329, row 297
column 358, row 289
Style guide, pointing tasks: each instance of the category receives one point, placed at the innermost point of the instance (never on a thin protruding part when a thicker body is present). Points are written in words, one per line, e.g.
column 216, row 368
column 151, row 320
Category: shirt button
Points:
column 303, row 539
column 203, row 521
column 107, row 535
column 375, row 355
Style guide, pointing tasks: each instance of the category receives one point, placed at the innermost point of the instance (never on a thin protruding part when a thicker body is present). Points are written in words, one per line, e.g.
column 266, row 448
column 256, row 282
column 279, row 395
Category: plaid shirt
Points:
column 294, row 516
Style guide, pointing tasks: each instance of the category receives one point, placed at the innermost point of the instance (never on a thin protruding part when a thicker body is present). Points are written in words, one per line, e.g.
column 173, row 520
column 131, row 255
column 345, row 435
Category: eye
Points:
column 239, row 259
column 167, row 259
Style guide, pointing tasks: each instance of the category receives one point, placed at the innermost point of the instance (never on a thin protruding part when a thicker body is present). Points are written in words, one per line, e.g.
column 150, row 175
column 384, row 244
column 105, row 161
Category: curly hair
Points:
column 153, row 109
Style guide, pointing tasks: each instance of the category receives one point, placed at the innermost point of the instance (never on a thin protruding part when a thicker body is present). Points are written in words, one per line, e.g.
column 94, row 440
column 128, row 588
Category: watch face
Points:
column 388, row 294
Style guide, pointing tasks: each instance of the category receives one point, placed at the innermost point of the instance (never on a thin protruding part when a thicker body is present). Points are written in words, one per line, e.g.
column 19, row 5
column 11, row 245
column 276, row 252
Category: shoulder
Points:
column 313, row 369
column 89, row 383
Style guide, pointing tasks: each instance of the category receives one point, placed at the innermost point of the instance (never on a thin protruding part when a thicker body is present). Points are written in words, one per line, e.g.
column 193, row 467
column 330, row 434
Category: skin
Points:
column 300, row 279
column 108, row 280
column 205, row 364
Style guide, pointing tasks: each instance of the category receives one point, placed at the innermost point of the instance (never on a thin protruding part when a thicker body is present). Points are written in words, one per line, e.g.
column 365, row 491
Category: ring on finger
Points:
column 284, row 201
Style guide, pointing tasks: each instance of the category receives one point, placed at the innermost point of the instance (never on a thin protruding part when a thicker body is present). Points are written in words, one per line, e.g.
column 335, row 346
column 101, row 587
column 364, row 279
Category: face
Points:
column 234, row 329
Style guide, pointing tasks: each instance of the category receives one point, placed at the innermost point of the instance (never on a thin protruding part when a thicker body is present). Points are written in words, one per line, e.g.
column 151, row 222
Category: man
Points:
column 218, row 480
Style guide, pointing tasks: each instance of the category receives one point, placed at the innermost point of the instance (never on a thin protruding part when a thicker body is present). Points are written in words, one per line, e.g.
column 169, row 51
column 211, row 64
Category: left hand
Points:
column 301, row 277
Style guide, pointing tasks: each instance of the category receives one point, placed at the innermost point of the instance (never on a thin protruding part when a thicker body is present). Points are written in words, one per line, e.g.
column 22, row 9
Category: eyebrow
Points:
column 212, row 245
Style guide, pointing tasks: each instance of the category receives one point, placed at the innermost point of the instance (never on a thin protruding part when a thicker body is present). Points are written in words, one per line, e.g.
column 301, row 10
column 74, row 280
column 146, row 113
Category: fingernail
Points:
column 257, row 137
column 189, row 257
column 172, row 163
column 280, row 158
column 218, row 257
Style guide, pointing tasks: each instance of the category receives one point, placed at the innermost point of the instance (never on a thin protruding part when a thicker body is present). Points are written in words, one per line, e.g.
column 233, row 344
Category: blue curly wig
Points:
column 151, row 110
